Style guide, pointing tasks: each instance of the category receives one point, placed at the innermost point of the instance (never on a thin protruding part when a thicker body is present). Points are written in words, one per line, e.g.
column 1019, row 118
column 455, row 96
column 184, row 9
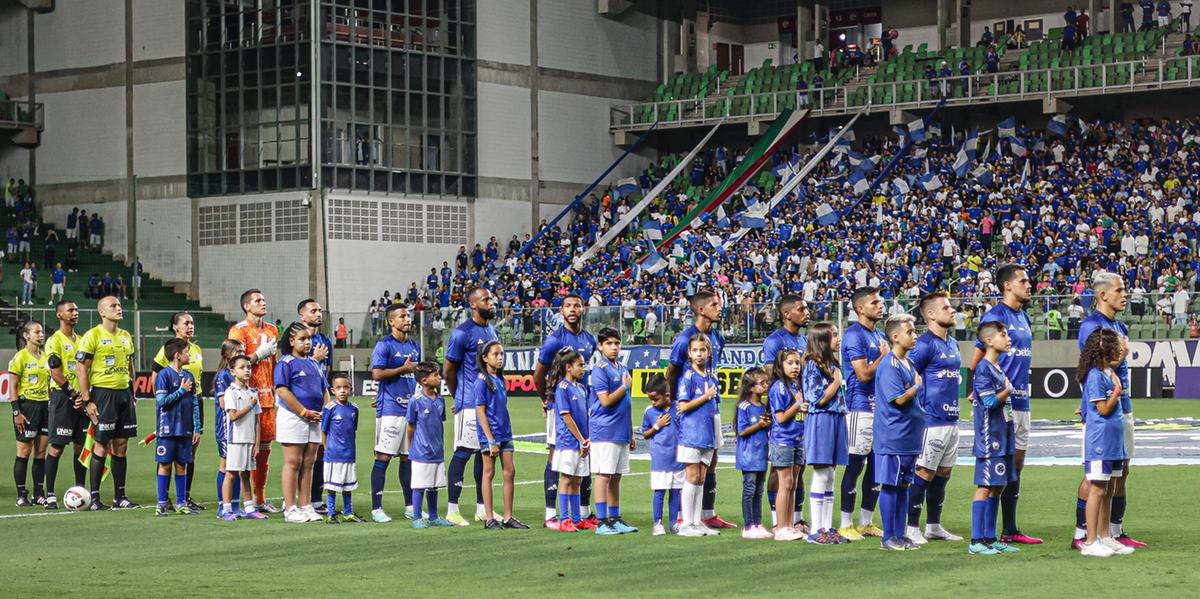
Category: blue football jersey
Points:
column 993, row 428
column 180, row 417
column 495, row 402
column 1104, row 435
column 679, row 354
column 780, row 340
column 426, row 415
column 858, row 343
column 899, row 429
column 939, row 364
column 394, row 392
column 752, row 448
column 221, row 382
column 339, row 421
column 789, row 433
column 583, row 342
column 696, row 427
column 570, row 398
column 814, row 383
column 612, row 424
column 303, row 377
column 663, row 443
column 1017, row 363
column 1094, row 321
column 465, row 342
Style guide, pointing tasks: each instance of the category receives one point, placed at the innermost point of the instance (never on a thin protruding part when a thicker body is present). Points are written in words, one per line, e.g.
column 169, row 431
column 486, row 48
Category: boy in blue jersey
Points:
column 460, row 374
column 339, row 423
column 611, row 425
column 570, row 334
column 937, row 360
column 993, row 447
column 666, row 473
column 425, row 417
column 863, row 350
column 178, row 425
column 393, row 362
column 898, row 429
column 1017, row 364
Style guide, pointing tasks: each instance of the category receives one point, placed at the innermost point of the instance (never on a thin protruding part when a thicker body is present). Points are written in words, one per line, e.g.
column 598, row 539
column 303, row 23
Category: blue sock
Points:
column 1081, row 513
column 180, row 489
column 431, row 499
column 870, row 489
column 220, row 486
column 989, row 525
column 657, row 505
column 978, row 519
column 458, row 466
column 673, row 507
column 331, row 503
column 164, row 483
column 576, row 510
column 378, row 481
column 550, row 483
column 1118, row 510
column 406, row 481
column 601, row 510
column 887, row 503
column 614, row 511
column 771, row 499
column 564, row 506
column 237, row 491
column 347, row 503
column 418, row 495
column 900, row 511
column 916, row 500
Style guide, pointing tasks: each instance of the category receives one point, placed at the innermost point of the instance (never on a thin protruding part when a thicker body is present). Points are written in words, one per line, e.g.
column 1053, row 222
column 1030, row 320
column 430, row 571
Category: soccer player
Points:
column 302, row 388
column 29, row 383
column 666, row 473
column 696, row 397
column 222, row 381
column 570, row 334
column 1016, row 291
column 240, row 404
column 794, row 316
column 460, row 375
column 426, row 413
column 993, row 446
column 1111, row 298
column 611, row 427
column 393, row 362
column 936, row 359
column 898, row 428
column 104, row 370
column 339, row 423
column 184, row 327
column 572, row 440
column 863, row 350
column 178, row 430
column 311, row 316
column 260, row 339
column 67, row 423
column 495, row 434
column 707, row 308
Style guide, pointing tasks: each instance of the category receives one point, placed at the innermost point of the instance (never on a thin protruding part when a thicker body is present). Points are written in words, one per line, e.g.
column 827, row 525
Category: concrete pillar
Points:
column 534, row 84
column 962, row 16
column 31, row 89
column 820, row 14
column 943, row 22
column 1108, row 24
column 804, row 31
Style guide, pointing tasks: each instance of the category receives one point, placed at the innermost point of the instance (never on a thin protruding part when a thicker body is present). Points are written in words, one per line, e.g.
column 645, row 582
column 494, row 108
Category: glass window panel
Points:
column 362, row 66
column 416, row 72
column 287, row 103
column 362, row 105
column 380, row 107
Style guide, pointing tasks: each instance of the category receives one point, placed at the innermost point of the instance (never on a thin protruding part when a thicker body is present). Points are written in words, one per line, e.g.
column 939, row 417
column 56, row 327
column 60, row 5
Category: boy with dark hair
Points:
column 178, row 415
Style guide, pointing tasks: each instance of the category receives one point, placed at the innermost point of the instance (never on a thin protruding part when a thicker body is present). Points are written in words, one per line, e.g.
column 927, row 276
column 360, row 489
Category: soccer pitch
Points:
column 132, row 553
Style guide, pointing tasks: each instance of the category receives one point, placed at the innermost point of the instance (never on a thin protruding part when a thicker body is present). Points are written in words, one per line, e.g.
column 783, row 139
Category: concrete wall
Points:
column 84, row 138
column 81, row 34
column 503, row 117
column 573, row 37
column 503, row 34
column 164, row 233
column 158, row 29
column 575, row 145
column 13, row 42
column 160, row 129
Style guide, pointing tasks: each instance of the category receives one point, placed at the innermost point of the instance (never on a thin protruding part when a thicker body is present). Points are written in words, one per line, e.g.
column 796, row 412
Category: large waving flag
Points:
column 930, row 182
column 984, row 175
column 1058, row 125
column 826, row 215
column 1007, row 128
column 627, row 186
column 1018, row 147
column 916, row 130
column 858, row 181
column 966, row 154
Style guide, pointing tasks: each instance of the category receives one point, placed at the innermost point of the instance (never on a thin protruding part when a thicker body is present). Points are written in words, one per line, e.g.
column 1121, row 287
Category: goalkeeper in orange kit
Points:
column 260, row 339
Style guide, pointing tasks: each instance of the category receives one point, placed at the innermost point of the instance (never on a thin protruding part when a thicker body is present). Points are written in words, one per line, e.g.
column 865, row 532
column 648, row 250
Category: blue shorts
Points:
column 1103, row 470
column 504, row 445
column 895, row 470
column 176, row 450
column 995, row 471
column 783, row 456
column 826, row 440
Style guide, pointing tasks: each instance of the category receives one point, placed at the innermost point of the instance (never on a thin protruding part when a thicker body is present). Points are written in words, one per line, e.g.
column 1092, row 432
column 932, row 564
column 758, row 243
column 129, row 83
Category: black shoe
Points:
column 98, row 506
column 51, row 503
column 321, row 509
column 493, row 524
column 192, row 505
column 125, row 503
column 514, row 523
column 39, row 500
column 23, row 501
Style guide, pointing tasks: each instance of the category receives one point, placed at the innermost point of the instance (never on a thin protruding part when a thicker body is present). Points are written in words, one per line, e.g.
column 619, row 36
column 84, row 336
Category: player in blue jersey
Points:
column 460, row 374
column 786, row 403
column 937, row 360
column 495, row 434
column 863, row 350
column 572, row 440
column 794, row 316
column 696, row 396
column 425, row 417
column 304, row 392
column 898, row 429
column 311, row 316
column 993, row 446
column 1016, row 291
column 178, row 415
column 753, row 448
column 825, row 437
column 707, row 308
column 1111, row 298
column 610, row 422
column 1103, row 435
column 393, row 362
column 570, row 334
column 339, row 427
column 666, row 473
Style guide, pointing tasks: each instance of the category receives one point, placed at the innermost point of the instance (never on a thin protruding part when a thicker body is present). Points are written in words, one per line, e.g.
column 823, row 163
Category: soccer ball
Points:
column 76, row 498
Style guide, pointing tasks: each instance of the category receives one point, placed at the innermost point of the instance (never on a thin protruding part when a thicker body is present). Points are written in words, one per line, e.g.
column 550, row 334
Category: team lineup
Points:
column 878, row 400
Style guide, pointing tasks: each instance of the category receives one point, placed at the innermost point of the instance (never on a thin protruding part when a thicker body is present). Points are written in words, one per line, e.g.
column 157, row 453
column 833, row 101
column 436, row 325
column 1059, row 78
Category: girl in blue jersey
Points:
column 301, row 385
column 753, row 422
column 787, row 443
column 571, row 437
column 695, row 405
column 495, row 433
column 1104, row 448
column 826, row 444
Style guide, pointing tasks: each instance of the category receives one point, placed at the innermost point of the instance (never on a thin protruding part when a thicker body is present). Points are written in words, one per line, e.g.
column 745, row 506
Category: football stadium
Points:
column 641, row 297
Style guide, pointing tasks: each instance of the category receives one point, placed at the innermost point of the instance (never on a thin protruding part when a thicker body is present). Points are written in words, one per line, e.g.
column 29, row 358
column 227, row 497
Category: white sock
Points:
column 864, row 516
column 1114, row 529
column 551, row 513
column 687, row 501
column 698, row 505
column 451, row 508
column 227, row 507
column 706, row 514
column 827, row 516
column 1080, row 533
column 480, row 509
column 585, row 510
column 774, row 519
column 251, row 507
column 847, row 520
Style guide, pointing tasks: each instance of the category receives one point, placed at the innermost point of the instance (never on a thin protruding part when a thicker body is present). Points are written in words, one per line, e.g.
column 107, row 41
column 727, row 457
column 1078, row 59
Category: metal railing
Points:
column 1126, row 76
column 1148, row 316
column 21, row 113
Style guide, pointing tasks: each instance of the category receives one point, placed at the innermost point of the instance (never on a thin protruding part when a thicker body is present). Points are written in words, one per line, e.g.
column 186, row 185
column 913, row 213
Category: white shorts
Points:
column 609, row 458
column 56, row 288
column 860, row 429
column 551, row 427
column 428, row 475
column 72, row 233
column 1164, row 20
column 568, row 462
column 239, row 457
column 693, row 455
column 718, row 438
column 340, row 476
column 466, row 433
column 391, row 435
column 1129, row 423
column 95, row 239
column 939, row 448
column 294, row 430
column 665, row 481
column 1020, row 430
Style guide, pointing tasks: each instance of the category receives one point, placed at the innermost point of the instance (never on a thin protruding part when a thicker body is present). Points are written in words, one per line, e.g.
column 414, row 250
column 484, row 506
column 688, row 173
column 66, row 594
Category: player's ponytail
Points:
column 26, row 328
column 482, row 367
column 289, row 334
column 558, row 369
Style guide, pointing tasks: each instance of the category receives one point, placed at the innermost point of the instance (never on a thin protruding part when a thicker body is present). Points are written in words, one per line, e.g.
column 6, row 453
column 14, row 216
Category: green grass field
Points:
column 133, row 553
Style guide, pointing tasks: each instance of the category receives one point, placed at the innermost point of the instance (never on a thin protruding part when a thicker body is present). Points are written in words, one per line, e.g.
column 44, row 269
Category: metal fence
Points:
column 22, row 113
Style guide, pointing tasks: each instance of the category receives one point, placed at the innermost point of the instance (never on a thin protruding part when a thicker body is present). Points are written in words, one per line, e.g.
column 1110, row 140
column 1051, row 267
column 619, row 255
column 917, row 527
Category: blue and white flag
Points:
column 930, row 182
column 1024, row 184
column 826, row 215
column 652, row 232
column 935, row 129
column 786, row 170
column 1084, row 126
column 916, row 130
column 900, row 132
column 966, row 154
column 627, row 186
column 900, row 186
column 842, row 145
column 984, row 175
column 722, row 220
column 1007, row 128
column 752, row 220
column 1058, row 125
column 1018, row 147
column 859, row 181
column 654, row 262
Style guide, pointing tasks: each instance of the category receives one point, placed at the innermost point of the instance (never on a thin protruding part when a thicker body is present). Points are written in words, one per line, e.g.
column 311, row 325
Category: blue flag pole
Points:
column 585, row 192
